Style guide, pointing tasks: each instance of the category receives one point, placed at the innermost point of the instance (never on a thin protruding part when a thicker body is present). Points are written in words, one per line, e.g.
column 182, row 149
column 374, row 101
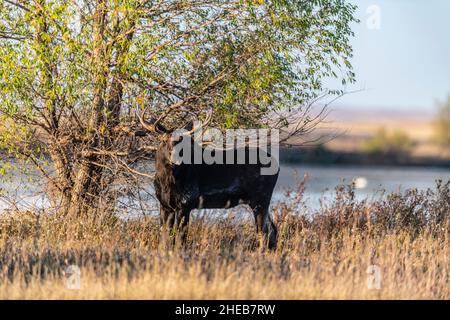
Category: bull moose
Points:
column 183, row 187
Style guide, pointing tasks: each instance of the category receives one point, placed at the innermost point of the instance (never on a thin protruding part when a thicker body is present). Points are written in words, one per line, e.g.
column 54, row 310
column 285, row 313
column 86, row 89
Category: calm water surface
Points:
column 321, row 181
column 371, row 181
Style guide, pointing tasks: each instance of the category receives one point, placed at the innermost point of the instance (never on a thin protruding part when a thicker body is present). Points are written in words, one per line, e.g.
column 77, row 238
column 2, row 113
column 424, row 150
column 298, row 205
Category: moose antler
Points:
column 152, row 126
column 203, row 124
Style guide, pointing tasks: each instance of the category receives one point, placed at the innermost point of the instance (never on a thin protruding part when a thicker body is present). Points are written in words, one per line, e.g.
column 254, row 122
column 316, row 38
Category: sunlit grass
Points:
column 321, row 257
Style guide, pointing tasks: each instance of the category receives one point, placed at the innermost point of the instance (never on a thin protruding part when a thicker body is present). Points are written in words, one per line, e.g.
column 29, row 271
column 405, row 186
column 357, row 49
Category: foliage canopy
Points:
column 74, row 73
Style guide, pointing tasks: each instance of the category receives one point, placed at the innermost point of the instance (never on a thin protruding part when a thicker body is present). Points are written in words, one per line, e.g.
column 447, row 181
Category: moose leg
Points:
column 167, row 220
column 174, row 224
column 265, row 226
column 182, row 224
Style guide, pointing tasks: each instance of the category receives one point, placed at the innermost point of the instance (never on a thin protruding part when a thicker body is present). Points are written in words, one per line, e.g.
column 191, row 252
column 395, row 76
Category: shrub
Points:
column 396, row 143
column 442, row 123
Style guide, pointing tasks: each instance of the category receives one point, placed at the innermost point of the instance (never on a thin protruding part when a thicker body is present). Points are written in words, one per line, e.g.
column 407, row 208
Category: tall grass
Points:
column 325, row 255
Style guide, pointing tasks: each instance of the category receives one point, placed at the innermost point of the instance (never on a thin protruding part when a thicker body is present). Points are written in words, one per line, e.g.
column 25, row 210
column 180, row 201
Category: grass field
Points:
column 326, row 256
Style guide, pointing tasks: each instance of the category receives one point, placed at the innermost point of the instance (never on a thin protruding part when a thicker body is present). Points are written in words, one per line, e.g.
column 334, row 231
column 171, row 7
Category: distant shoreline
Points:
column 325, row 156
column 321, row 155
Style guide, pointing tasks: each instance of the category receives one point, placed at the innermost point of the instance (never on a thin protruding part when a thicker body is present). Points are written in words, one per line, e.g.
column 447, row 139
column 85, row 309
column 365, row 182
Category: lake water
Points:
column 370, row 181
column 320, row 184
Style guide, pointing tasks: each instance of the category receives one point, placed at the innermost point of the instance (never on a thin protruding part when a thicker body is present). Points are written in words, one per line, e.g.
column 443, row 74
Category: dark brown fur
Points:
column 180, row 188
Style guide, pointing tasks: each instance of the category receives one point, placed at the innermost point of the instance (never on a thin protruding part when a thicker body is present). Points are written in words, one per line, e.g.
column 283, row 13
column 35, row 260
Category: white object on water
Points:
column 360, row 183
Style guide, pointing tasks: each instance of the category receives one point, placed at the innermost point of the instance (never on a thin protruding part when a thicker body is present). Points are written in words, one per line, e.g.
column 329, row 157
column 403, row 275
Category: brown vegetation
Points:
column 325, row 255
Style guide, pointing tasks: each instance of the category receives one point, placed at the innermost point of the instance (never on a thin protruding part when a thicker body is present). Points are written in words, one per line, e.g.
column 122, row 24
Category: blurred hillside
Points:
column 372, row 137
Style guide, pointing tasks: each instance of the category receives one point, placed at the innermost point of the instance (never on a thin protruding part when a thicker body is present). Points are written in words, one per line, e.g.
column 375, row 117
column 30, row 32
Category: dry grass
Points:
column 324, row 256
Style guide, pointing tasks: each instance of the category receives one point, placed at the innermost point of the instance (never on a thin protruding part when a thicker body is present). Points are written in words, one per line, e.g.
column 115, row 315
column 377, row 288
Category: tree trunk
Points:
column 80, row 197
column 63, row 182
column 88, row 182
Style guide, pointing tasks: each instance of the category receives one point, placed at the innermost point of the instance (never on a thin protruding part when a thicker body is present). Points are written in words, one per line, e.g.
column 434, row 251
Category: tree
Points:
column 443, row 123
column 73, row 75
